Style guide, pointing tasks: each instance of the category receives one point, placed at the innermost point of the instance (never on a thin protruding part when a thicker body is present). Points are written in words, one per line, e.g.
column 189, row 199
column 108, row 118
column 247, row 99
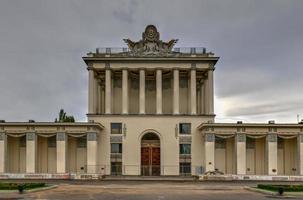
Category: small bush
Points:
column 26, row 186
column 287, row 188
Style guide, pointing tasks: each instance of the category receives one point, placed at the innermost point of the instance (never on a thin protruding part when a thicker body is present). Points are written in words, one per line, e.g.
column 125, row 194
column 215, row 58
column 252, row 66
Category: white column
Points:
column 210, row 92
column 206, row 96
column 108, row 92
column 300, row 154
column 91, row 84
column 209, row 144
column 61, row 152
column 92, row 146
column 193, row 91
column 202, row 98
column 241, row 153
column 159, row 90
column 98, row 98
column 142, row 92
column 31, row 152
column 3, row 140
column 176, row 92
column 272, row 154
column 124, row 91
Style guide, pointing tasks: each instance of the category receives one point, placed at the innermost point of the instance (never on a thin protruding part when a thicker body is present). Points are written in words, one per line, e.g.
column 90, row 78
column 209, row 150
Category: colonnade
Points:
column 271, row 157
column 206, row 91
column 31, row 151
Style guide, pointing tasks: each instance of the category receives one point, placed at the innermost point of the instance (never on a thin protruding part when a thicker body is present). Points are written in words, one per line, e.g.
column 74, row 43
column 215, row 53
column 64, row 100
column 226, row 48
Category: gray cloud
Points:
column 42, row 42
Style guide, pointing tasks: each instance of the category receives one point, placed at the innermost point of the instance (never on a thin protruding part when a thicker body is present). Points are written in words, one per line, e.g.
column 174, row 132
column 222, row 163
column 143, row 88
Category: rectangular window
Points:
column 51, row 141
column 22, row 141
column 185, row 169
column 116, row 168
column 184, row 128
column 116, row 148
column 81, row 142
column 185, row 149
column 116, row 128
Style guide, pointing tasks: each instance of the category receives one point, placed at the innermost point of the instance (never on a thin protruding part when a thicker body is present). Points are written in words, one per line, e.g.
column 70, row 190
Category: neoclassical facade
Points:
column 150, row 113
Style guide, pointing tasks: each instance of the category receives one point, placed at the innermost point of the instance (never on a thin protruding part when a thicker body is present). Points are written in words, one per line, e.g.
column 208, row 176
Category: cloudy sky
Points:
column 259, row 76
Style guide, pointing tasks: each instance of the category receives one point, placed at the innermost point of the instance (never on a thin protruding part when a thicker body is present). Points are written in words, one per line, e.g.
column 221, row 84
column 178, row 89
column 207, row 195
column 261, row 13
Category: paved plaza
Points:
column 145, row 190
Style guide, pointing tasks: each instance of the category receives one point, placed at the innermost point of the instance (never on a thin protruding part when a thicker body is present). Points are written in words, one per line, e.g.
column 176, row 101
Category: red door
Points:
column 150, row 161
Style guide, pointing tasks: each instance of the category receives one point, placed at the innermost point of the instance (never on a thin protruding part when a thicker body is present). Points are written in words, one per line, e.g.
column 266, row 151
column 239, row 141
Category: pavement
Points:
column 145, row 190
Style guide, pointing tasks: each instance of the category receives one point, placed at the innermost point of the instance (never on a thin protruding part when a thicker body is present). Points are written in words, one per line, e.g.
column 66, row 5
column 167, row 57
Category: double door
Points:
column 150, row 161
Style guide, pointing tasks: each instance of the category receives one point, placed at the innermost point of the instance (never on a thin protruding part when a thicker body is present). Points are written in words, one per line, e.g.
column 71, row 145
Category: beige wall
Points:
column 138, row 125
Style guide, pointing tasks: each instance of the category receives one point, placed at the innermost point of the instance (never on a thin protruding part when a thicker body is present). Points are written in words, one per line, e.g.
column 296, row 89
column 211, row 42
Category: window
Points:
column 51, row 142
column 22, row 141
column 184, row 128
column 116, row 148
column 185, row 149
column 116, row 128
column 185, row 169
column 116, row 168
column 81, row 142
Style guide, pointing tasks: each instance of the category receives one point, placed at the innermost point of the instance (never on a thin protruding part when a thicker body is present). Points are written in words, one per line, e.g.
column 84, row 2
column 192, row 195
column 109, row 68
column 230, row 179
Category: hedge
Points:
column 26, row 186
column 287, row 188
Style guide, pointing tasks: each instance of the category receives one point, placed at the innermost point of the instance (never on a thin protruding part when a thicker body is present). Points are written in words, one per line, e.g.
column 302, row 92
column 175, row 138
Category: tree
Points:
column 64, row 118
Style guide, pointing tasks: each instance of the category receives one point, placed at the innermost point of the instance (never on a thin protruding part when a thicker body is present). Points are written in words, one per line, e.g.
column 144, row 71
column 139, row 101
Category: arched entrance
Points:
column 150, row 155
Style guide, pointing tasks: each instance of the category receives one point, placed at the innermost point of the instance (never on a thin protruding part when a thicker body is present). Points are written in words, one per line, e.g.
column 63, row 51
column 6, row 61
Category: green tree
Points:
column 64, row 118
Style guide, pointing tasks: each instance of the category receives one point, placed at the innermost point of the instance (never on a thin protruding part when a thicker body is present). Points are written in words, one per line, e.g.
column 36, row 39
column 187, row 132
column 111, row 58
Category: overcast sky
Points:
column 259, row 76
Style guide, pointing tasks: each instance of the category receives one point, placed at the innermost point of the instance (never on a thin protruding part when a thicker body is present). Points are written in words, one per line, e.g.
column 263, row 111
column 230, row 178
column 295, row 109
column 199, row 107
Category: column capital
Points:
column 209, row 137
column 2, row 136
column 61, row 136
column 272, row 137
column 241, row 137
column 30, row 136
column 193, row 66
column 107, row 65
column 92, row 136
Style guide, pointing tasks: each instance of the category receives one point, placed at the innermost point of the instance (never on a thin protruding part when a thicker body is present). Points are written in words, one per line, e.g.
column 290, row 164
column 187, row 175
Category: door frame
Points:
column 161, row 149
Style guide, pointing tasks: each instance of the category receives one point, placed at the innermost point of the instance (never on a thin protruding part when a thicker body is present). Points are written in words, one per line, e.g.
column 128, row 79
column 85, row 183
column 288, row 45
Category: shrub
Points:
column 26, row 186
column 287, row 188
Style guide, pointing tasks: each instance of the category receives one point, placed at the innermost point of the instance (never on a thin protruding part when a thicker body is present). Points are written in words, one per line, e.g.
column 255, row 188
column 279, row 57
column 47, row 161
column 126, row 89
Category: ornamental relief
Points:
column 150, row 44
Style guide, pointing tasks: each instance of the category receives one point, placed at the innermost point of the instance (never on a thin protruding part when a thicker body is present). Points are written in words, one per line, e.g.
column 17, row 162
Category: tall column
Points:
column 108, row 91
column 159, row 90
column 209, row 144
column 31, row 152
column 91, row 91
column 3, row 140
column 300, row 154
column 61, row 152
column 241, row 153
column 142, row 92
column 193, row 91
column 210, row 93
column 202, row 98
column 92, row 153
column 272, row 154
column 124, row 91
column 176, row 92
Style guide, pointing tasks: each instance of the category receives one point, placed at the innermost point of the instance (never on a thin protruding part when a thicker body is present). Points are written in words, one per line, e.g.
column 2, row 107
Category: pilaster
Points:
column 272, row 154
column 240, row 153
column 209, row 144
column 92, row 146
column 159, row 90
column 176, row 107
column 31, row 152
column 142, row 92
column 3, row 145
column 61, row 152
column 124, row 91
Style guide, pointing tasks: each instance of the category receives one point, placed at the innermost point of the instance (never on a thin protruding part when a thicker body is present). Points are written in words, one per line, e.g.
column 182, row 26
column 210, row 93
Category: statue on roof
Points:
column 150, row 44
